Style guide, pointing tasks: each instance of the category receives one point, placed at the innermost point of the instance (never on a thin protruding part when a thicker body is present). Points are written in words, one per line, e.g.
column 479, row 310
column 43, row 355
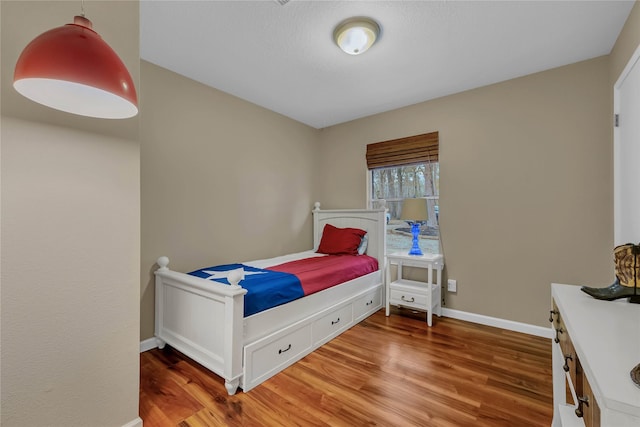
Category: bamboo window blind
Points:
column 403, row 151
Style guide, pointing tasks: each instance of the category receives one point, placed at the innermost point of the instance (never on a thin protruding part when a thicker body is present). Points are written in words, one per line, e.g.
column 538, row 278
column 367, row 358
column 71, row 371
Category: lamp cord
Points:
column 82, row 8
column 635, row 251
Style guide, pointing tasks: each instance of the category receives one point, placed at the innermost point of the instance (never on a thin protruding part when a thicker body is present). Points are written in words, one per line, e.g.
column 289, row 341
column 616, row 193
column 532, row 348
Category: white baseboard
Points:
column 148, row 344
column 135, row 423
column 509, row 325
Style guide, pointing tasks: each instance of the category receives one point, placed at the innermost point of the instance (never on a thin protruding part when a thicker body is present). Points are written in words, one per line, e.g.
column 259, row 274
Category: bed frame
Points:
column 204, row 319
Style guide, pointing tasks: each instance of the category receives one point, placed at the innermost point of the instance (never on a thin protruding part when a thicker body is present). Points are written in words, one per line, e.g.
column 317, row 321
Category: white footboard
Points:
column 185, row 303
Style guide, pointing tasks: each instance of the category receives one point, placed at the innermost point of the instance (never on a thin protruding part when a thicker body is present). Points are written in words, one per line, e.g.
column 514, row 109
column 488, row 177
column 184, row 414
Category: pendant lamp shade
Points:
column 70, row 68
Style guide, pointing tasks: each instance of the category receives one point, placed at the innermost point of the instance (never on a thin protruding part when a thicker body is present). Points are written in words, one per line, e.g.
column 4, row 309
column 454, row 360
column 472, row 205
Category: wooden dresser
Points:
column 596, row 344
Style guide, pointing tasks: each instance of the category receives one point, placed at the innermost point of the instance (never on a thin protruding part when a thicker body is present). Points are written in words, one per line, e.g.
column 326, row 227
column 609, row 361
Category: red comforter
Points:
column 318, row 273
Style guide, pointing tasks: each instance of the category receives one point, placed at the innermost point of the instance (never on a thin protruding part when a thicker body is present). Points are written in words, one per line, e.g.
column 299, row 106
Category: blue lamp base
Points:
column 415, row 248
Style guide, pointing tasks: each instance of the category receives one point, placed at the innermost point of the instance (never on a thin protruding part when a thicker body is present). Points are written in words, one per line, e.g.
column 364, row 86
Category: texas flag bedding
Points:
column 280, row 284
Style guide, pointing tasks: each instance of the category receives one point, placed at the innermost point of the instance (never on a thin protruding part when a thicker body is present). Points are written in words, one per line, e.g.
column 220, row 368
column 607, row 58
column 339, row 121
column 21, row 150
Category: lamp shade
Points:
column 70, row 68
column 414, row 210
column 356, row 35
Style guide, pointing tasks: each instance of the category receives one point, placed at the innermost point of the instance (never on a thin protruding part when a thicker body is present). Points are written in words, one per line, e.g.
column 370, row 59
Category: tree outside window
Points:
column 393, row 184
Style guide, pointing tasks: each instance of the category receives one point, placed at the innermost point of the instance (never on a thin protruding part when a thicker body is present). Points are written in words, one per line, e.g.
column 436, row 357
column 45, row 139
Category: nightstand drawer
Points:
column 409, row 295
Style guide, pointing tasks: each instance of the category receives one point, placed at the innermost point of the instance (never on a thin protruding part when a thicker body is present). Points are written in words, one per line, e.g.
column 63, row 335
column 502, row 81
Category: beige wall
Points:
column 70, row 245
column 223, row 180
column 526, row 184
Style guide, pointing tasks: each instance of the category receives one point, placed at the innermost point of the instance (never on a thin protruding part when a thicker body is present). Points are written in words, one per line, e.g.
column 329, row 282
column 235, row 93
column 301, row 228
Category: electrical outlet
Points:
column 452, row 285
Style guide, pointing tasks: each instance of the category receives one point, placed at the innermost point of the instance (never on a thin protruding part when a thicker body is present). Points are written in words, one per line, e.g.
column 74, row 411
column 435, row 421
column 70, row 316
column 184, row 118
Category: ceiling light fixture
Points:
column 70, row 68
column 356, row 35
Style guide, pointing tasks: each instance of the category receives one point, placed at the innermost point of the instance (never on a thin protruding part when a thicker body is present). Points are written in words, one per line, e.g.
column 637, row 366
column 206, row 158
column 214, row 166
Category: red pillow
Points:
column 337, row 241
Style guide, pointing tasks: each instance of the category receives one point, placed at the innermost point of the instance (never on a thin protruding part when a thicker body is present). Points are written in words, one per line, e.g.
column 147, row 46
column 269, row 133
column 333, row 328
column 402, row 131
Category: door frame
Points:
column 617, row 151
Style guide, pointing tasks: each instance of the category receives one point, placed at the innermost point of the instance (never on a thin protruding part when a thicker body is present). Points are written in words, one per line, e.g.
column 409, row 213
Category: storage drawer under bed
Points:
column 367, row 304
column 269, row 355
column 332, row 323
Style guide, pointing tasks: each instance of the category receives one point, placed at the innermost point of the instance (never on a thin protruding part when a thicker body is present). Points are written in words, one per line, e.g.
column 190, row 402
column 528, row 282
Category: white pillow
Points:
column 362, row 248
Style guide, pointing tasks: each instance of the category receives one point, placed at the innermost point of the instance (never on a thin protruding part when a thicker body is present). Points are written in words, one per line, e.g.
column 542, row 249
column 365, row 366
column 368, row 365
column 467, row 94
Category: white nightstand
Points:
column 423, row 296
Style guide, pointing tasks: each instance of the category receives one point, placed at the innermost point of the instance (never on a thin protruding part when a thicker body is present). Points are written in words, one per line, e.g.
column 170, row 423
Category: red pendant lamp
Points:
column 70, row 68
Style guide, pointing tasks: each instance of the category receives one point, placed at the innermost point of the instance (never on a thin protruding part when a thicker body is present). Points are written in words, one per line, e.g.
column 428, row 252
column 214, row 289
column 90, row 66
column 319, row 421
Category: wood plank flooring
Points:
column 386, row 371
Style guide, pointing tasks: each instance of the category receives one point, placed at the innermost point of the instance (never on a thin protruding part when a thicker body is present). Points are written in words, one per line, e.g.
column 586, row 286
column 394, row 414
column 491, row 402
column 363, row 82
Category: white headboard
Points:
column 373, row 221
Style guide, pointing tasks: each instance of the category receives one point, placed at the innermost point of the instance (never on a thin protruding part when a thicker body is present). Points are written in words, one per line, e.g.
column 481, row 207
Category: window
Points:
column 406, row 168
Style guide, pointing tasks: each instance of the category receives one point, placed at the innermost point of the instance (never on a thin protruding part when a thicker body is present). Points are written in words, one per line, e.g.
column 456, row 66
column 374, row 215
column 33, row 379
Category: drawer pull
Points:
column 369, row 303
column 335, row 322
column 286, row 349
column 407, row 300
column 551, row 313
column 558, row 332
column 567, row 357
column 581, row 400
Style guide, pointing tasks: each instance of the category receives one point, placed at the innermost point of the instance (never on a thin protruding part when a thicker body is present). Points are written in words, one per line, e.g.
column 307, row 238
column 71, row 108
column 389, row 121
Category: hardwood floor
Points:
column 386, row 371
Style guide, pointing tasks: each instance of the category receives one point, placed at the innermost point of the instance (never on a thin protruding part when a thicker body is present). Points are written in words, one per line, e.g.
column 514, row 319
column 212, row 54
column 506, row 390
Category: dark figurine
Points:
column 627, row 263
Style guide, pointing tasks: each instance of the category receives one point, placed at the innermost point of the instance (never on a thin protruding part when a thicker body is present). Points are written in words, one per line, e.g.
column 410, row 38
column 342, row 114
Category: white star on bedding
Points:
column 215, row 275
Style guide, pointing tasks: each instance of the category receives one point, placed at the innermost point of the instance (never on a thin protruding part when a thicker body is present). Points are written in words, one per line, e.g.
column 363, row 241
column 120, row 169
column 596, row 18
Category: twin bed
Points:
column 241, row 322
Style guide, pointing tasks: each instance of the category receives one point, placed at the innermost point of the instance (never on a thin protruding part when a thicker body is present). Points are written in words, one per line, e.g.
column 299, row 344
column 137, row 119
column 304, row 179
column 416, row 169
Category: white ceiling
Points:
column 283, row 57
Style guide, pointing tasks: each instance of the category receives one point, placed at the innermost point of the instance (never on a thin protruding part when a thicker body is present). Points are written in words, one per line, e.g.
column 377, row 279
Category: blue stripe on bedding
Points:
column 265, row 288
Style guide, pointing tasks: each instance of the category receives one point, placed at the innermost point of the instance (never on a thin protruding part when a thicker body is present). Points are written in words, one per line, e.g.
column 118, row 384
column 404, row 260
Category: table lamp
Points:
column 414, row 212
